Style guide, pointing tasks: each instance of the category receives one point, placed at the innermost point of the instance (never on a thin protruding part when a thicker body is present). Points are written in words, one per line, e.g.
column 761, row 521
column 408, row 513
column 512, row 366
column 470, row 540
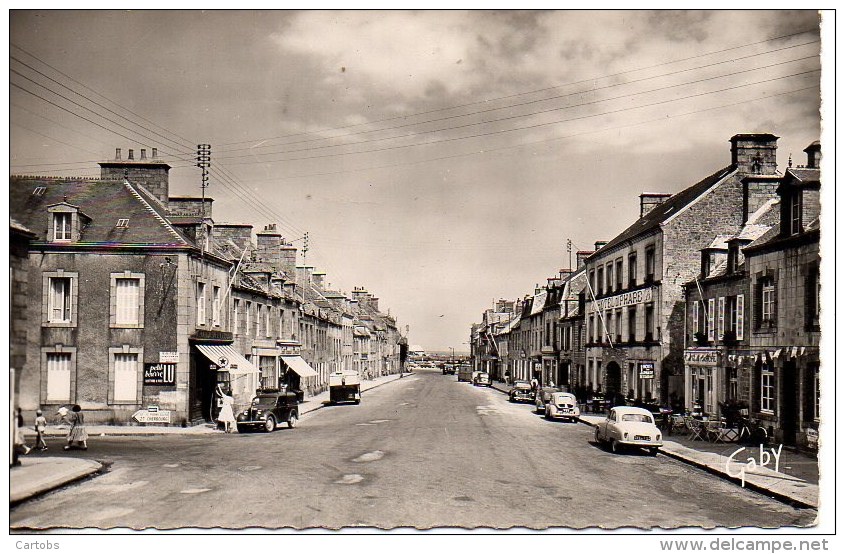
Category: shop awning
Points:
column 227, row 359
column 300, row 366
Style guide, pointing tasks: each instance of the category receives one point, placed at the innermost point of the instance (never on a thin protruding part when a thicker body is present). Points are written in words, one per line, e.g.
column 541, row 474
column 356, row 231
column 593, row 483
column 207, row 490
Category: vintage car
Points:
column 562, row 405
column 542, row 398
column 521, row 392
column 449, row 369
column 481, row 378
column 268, row 409
column 465, row 373
column 345, row 386
column 632, row 427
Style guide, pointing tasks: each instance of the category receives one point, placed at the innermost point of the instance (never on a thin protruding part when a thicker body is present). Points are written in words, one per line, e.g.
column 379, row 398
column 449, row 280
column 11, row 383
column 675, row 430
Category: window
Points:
column 795, row 226
column 127, row 300
column 705, row 263
column 258, row 309
column 58, row 377
column 733, row 257
column 248, row 318
column 200, row 303
column 125, row 378
column 609, row 277
column 649, row 322
column 215, row 306
column 618, row 325
column 649, row 264
column 267, row 330
column 122, row 223
column 733, row 384
column 817, row 392
column 599, row 281
column 768, row 302
column 812, row 291
column 711, row 317
column 632, row 270
column 720, row 330
column 62, row 226
column 590, row 330
column 740, row 317
column 592, row 281
column 696, row 328
column 767, row 389
column 236, row 307
column 60, row 300
column 632, row 324
column 619, row 274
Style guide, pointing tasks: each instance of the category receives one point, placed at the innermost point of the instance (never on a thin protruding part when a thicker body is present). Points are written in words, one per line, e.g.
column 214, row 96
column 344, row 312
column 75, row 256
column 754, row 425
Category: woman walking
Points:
column 77, row 432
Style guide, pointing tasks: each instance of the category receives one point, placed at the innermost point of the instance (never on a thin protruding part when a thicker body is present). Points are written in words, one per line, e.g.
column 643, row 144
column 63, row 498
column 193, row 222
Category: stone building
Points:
column 634, row 307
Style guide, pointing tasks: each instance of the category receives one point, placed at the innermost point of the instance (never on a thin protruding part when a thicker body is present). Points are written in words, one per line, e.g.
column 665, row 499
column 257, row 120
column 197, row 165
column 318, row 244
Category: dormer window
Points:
column 795, row 210
column 62, row 225
column 705, row 263
column 39, row 191
column 733, row 257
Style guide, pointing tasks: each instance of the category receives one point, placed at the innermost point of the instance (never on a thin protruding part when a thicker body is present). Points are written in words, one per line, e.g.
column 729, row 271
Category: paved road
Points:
column 424, row 451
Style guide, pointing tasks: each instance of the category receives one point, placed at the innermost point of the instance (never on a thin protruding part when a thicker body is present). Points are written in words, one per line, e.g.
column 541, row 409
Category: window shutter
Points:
column 721, row 329
column 711, row 315
column 740, row 316
column 775, row 300
column 695, row 321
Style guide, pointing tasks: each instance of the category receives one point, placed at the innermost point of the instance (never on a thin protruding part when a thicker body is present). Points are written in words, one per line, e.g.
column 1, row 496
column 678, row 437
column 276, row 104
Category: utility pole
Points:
column 569, row 250
column 204, row 162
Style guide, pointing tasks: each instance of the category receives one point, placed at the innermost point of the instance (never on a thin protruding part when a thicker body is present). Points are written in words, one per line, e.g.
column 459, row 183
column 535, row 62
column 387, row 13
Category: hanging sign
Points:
column 647, row 370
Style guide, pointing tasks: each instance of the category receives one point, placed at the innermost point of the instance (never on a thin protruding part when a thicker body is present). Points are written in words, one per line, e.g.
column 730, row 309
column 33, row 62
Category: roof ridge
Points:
column 148, row 206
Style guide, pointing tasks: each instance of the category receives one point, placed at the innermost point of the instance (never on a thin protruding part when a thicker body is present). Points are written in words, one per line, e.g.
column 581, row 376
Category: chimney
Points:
column 581, row 257
column 143, row 153
column 303, row 276
column 374, row 303
column 319, row 279
column 814, row 155
column 268, row 242
column 599, row 244
column 287, row 257
column 650, row 200
column 152, row 175
column 564, row 273
column 754, row 153
column 240, row 234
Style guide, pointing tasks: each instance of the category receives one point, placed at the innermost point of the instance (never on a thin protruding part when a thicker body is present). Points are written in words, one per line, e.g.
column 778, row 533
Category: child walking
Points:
column 40, row 429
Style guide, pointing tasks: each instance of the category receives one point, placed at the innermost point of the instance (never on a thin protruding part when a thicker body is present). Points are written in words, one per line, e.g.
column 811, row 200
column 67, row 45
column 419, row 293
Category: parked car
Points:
column 345, row 386
column 521, row 392
column 449, row 369
column 482, row 378
column 542, row 398
column 268, row 410
column 563, row 405
column 465, row 373
column 627, row 426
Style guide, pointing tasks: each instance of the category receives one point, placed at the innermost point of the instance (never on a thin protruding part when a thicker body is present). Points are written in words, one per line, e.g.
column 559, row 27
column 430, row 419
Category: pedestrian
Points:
column 226, row 415
column 20, row 442
column 77, row 432
column 40, row 429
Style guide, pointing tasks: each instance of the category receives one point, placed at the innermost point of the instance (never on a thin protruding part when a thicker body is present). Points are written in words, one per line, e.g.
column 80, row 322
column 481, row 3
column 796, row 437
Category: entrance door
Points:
column 614, row 379
column 203, row 381
column 789, row 414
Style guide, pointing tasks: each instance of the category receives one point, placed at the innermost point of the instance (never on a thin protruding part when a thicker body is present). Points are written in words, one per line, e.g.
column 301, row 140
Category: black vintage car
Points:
column 268, row 410
column 521, row 391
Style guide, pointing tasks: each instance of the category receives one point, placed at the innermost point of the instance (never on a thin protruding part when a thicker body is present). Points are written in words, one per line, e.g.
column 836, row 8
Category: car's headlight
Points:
column 626, row 436
column 658, row 436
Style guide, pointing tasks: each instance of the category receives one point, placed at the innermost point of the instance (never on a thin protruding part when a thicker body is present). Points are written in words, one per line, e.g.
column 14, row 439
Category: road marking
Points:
column 364, row 424
column 194, row 491
column 370, row 456
column 349, row 479
column 249, row 468
column 379, row 420
column 170, row 465
column 487, row 410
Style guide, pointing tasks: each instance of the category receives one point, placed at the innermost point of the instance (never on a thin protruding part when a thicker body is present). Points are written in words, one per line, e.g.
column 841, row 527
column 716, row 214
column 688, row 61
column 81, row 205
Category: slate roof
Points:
column 665, row 210
column 104, row 202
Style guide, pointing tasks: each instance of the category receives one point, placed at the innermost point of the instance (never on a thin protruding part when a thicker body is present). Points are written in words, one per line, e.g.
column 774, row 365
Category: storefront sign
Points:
column 626, row 299
column 159, row 374
column 152, row 415
column 647, row 370
column 702, row 357
column 168, row 357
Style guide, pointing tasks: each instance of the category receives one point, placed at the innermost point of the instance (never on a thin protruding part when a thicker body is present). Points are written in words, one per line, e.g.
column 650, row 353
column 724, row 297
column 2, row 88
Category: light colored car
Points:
column 541, row 398
column 562, row 405
column 626, row 426
column 481, row 378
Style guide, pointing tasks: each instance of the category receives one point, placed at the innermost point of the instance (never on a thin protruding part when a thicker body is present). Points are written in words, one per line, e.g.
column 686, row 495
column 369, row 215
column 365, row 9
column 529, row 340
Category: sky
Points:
column 441, row 159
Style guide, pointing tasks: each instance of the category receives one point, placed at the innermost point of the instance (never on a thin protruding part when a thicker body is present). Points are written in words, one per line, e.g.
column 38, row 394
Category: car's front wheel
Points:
column 615, row 447
column 243, row 429
column 598, row 437
column 270, row 424
column 292, row 420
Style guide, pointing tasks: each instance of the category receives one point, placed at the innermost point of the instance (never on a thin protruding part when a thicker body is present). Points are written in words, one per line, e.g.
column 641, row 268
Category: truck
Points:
column 465, row 373
column 345, row 386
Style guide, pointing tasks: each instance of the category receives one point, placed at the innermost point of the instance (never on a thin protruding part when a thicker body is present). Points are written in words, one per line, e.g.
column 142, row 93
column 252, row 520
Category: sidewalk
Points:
column 795, row 482
column 308, row 405
column 37, row 475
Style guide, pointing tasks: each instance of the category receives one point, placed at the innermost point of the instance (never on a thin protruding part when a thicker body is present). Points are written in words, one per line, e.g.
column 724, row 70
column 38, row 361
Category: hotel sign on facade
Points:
column 702, row 357
column 641, row 296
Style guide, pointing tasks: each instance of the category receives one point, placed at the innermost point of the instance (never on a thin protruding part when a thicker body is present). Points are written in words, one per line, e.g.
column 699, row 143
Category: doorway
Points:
column 614, row 379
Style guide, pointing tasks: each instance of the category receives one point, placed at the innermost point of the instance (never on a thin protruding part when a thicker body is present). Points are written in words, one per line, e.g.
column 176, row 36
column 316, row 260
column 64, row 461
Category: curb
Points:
column 94, row 468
